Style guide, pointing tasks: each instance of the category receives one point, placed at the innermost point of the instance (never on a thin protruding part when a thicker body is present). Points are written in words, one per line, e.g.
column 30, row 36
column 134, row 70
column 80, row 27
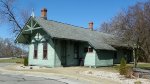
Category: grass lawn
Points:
column 12, row 60
column 139, row 65
column 144, row 65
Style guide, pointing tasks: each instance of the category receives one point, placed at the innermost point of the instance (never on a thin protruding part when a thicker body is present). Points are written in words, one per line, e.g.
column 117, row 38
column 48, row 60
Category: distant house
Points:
column 55, row 44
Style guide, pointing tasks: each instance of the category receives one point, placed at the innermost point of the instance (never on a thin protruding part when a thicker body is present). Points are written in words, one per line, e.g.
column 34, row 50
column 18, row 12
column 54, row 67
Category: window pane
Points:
column 35, row 46
column 44, row 50
column 45, row 54
column 35, row 50
column 44, row 46
column 90, row 49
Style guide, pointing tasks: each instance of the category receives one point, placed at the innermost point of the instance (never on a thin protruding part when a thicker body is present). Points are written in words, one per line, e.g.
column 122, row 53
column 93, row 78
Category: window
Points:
column 90, row 49
column 35, row 51
column 115, row 55
column 86, row 49
column 44, row 50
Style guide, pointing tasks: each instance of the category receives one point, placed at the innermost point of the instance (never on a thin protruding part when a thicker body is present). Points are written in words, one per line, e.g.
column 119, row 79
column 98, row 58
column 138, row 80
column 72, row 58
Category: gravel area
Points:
column 103, row 76
column 114, row 77
column 69, row 72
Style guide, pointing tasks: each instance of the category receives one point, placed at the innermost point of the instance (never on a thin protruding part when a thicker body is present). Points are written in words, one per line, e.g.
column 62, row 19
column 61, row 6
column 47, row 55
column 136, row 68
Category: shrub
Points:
column 129, row 72
column 25, row 61
column 123, row 67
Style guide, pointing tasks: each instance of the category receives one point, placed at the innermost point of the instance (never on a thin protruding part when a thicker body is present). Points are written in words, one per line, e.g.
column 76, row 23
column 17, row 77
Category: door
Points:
column 63, row 53
column 76, row 50
column 76, row 53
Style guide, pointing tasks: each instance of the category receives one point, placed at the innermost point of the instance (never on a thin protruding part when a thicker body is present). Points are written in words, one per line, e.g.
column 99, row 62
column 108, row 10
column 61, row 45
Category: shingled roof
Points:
column 96, row 39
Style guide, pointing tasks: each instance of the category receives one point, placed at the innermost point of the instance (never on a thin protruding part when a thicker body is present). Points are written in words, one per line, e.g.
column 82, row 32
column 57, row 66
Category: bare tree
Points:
column 105, row 27
column 133, row 26
column 8, row 48
column 13, row 17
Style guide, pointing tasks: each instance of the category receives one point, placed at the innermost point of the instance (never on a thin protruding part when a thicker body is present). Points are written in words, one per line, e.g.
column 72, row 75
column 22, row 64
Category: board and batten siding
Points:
column 49, row 62
column 70, row 60
column 99, row 58
column 104, row 58
column 57, row 54
column 54, row 54
column 90, row 58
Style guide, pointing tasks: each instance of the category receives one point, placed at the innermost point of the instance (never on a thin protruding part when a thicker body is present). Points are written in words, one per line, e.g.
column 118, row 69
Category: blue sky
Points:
column 75, row 12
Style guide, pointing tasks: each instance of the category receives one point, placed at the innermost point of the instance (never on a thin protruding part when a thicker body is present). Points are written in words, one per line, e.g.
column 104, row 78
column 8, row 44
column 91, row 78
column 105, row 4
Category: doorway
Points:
column 63, row 53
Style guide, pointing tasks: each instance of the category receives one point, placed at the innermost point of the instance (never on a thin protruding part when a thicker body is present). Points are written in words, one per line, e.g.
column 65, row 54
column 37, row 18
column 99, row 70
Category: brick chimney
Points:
column 44, row 13
column 91, row 26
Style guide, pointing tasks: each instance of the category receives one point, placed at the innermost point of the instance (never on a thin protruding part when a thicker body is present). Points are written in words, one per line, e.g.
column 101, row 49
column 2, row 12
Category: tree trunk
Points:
column 135, row 58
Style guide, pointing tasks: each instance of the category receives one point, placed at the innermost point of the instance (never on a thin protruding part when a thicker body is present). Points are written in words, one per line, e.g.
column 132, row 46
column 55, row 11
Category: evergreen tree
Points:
column 123, row 67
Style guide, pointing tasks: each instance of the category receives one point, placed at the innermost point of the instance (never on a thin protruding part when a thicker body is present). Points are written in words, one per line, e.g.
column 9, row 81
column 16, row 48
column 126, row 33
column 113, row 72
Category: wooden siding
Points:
column 104, row 58
column 70, row 60
column 96, row 58
column 90, row 59
column 49, row 62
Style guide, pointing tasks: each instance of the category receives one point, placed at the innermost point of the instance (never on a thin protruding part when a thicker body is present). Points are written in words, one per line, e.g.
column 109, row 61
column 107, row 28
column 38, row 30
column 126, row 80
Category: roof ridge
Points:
column 67, row 24
column 77, row 26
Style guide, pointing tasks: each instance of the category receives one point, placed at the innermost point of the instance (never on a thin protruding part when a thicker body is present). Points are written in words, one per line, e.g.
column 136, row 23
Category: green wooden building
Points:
column 55, row 44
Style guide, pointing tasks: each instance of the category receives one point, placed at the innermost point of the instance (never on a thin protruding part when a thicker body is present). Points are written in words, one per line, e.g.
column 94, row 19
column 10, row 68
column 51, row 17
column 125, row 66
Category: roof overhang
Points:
column 25, row 34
